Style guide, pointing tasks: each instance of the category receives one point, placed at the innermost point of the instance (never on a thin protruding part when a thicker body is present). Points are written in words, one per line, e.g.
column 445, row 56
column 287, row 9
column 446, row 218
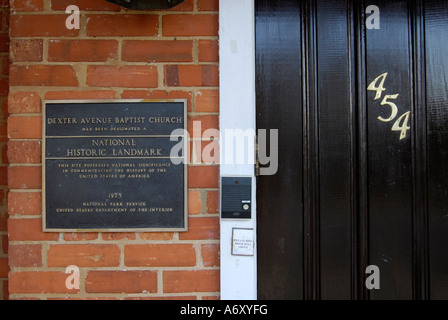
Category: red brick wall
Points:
column 116, row 54
column 4, row 88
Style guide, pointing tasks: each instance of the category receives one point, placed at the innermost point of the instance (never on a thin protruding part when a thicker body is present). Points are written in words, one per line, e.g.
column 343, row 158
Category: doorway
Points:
column 362, row 119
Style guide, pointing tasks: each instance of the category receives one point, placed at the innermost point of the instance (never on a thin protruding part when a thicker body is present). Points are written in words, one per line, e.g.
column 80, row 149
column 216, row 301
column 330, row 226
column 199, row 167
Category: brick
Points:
column 207, row 101
column 208, row 5
column 4, row 267
column 4, row 114
column 3, row 176
column 192, row 75
column 43, row 75
column 27, row 127
column 5, row 243
column 84, row 255
column 122, row 76
column 24, row 102
column 191, row 281
column 84, row 5
column 3, row 224
column 40, row 25
column 90, row 94
column 194, row 202
column 77, row 236
column 25, row 177
column 4, row 43
column 203, row 176
column 4, row 153
column 210, row 75
column 122, row 25
column 205, row 152
column 24, row 152
column 159, row 255
column 208, row 51
column 82, row 50
column 2, row 199
column 29, row 5
column 212, row 202
column 210, row 255
column 118, row 235
column 156, row 235
column 121, row 281
column 38, row 282
column 5, row 65
column 4, row 87
column 29, row 230
column 87, row 298
column 5, row 289
column 195, row 151
column 24, row 203
column 3, row 132
column 26, row 50
column 172, row 75
column 6, row 13
column 190, row 25
column 197, row 125
column 25, row 255
column 217, row 297
column 159, row 94
column 200, row 228
column 157, row 51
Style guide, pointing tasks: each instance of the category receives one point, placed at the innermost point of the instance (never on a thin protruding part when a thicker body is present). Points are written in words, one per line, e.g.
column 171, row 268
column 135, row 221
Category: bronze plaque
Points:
column 114, row 165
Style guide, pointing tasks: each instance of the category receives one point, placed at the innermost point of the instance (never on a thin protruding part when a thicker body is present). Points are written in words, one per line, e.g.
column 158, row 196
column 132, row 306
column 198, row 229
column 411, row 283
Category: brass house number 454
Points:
column 401, row 124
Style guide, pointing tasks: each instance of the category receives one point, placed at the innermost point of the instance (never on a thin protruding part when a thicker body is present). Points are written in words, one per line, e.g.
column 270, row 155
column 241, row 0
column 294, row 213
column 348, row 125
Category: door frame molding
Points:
column 238, row 274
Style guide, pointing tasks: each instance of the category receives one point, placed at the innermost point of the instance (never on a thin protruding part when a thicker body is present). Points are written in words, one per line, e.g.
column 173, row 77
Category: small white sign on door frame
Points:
column 242, row 242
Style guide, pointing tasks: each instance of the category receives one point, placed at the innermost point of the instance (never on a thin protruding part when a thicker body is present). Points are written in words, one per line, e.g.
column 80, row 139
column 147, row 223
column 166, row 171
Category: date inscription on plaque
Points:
column 108, row 166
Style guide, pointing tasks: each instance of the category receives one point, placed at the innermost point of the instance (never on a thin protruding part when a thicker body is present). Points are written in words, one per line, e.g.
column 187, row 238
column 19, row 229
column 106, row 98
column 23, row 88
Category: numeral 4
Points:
column 380, row 88
column 404, row 118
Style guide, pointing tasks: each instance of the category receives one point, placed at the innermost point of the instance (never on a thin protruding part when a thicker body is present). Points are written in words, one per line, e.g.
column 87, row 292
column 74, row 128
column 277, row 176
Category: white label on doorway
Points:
column 242, row 242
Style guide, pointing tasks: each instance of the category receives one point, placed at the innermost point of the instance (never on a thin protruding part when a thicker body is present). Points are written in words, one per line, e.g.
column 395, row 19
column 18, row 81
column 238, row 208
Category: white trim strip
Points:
column 237, row 112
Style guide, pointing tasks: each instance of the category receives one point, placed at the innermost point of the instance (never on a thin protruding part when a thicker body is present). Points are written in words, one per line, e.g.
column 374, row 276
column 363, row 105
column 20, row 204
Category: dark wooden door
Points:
column 362, row 177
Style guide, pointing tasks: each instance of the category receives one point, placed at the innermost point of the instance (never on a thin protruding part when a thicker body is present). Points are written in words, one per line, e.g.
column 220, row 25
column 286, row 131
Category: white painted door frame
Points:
column 237, row 112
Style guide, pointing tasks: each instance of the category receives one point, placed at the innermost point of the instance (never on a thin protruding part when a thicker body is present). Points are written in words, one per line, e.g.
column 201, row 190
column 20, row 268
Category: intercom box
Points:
column 236, row 195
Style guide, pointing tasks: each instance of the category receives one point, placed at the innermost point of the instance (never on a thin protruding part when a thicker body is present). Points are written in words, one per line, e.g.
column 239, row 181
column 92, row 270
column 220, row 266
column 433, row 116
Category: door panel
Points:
column 278, row 63
column 334, row 108
column 436, row 13
column 354, row 187
column 389, row 158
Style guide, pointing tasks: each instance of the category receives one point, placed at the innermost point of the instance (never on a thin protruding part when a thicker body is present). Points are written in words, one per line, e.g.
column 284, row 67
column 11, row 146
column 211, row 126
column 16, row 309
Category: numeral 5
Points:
column 393, row 107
